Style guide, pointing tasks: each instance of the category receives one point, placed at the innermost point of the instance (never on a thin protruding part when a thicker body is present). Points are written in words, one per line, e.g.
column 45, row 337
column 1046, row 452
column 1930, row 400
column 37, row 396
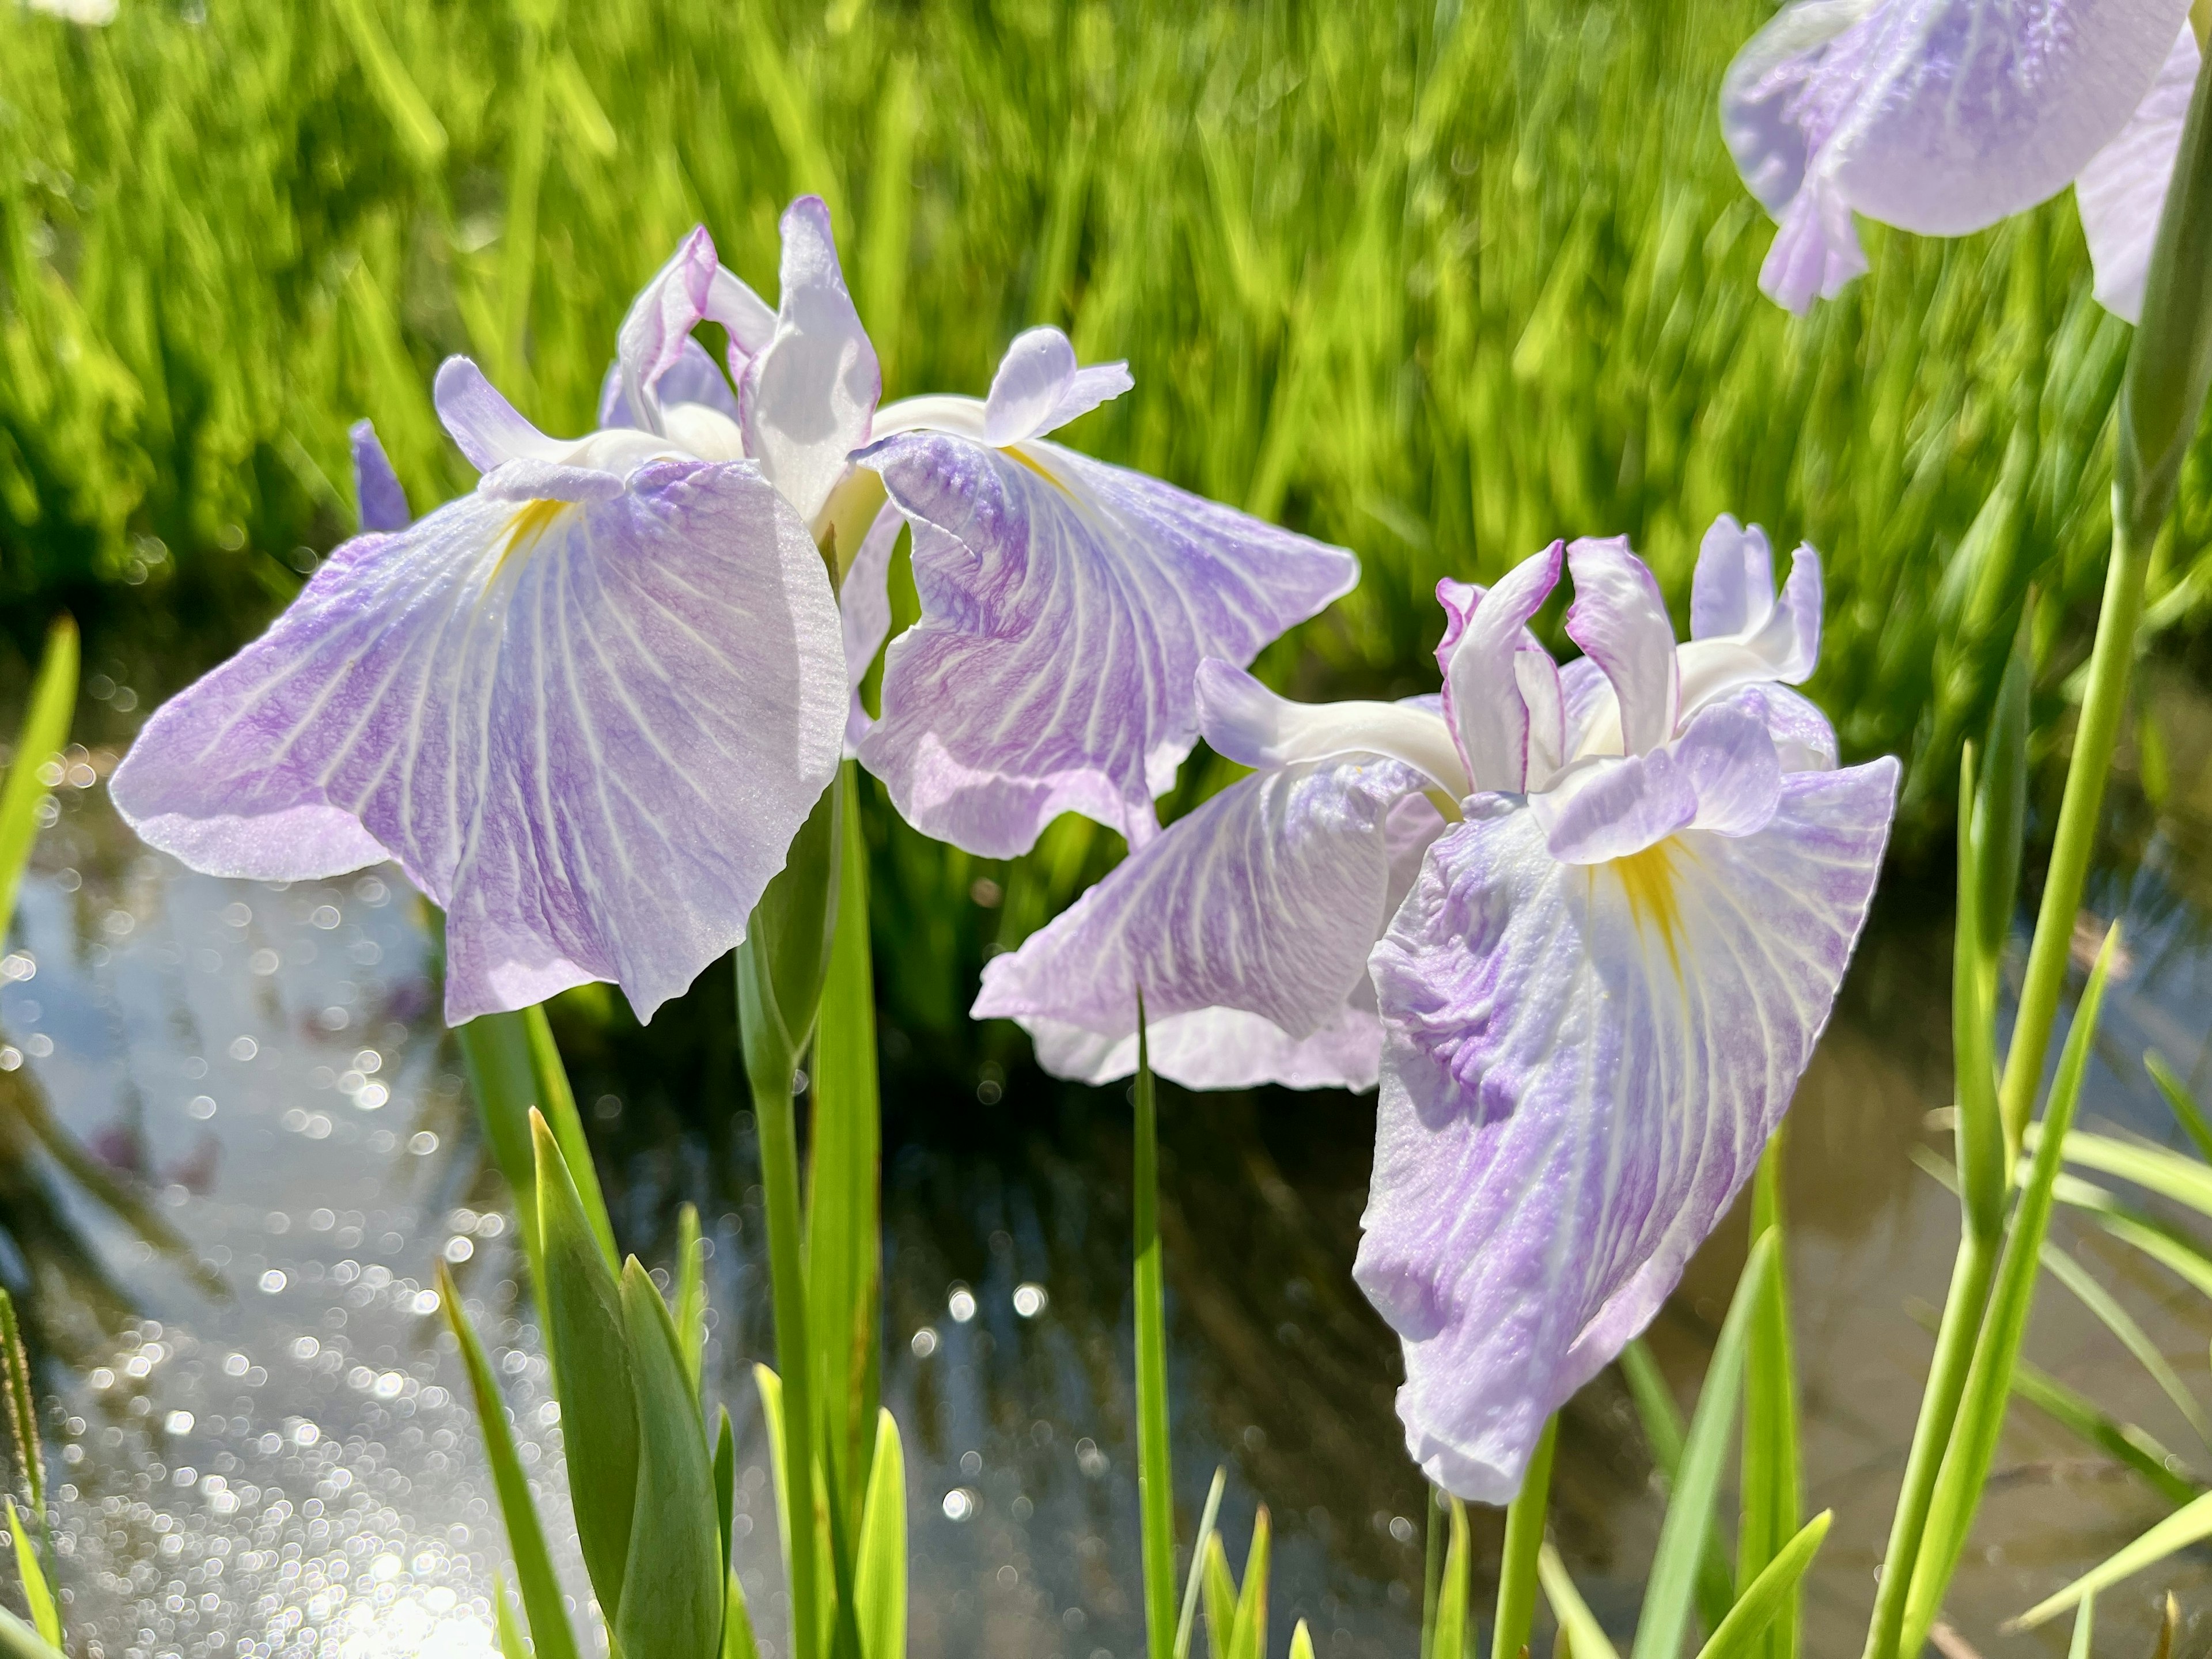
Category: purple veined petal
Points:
column 1246, row 722
column 1732, row 590
column 1621, row 622
column 1580, row 1068
column 1585, row 698
column 2122, row 192
column 1784, row 647
column 1816, row 253
column 1039, row 388
column 863, row 609
column 1803, row 739
column 1221, row 1049
column 1764, row 107
column 589, row 731
column 376, row 487
column 1066, row 606
column 1266, row 899
column 693, row 378
column 1536, row 678
column 490, row 430
column 807, row 396
column 1728, row 753
column 1613, row 806
column 1483, row 637
column 522, row 481
column 660, row 322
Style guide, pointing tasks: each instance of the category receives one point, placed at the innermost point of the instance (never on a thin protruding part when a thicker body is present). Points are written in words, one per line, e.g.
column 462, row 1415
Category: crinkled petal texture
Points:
column 588, row 729
column 1937, row 116
column 1581, row 1065
column 2122, row 192
column 1066, row 606
column 1247, row 925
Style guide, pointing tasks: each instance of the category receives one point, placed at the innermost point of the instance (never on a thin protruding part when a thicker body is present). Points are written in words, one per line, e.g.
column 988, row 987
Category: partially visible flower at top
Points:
column 1942, row 117
column 587, row 706
column 1584, row 923
column 96, row 13
column 1066, row 604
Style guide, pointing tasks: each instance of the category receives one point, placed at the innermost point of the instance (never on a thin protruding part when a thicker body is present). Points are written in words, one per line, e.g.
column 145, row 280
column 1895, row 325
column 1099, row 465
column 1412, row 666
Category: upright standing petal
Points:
column 1039, row 388
column 1620, row 619
column 809, row 393
column 1484, row 634
column 1066, row 606
column 660, row 324
column 1581, row 1066
column 1732, row 590
column 588, row 729
column 2122, row 192
column 376, row 488
column 489, row 430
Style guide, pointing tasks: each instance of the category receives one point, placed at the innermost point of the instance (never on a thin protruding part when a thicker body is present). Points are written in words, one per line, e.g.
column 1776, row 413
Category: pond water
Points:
column 234, row 1140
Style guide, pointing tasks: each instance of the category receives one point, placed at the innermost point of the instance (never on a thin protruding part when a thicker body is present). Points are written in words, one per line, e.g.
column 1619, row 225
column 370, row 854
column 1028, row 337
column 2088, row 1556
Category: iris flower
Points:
column 587, row 706
column 1585, row 924
column 1944, row 116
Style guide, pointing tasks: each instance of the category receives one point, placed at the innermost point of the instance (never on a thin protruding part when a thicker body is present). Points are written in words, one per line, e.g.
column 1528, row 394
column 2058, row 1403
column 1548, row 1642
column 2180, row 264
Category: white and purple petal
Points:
column 1581, row 1066
column 489, row 430
column 2122, row 192
column 1246, row 722
column 693, row 378
column 1619, row 620
column 587, row 729
column 377, row 494
column 1065, row 607
column 1486, row 635
column 1039, row 388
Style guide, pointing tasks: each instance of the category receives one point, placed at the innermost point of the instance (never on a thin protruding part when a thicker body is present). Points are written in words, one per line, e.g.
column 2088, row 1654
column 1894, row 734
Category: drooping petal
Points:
column 1066, row 606
column 1613, row 806
column 376, row 488
column 807, row 396
column 1803, row 739
column 1484, row 634
column 588, row 729
column 489, row 430
column 1580, row 1068
column 1038, row 387
column 2122, row 192
column 1620, row 621
column 1728, row 753
column 1247, row 723
column 1221, row 1049
column 864, row 606
column 1266, row 900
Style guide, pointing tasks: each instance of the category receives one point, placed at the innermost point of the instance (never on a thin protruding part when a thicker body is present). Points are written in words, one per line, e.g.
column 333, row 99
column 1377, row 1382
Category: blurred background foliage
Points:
column 1436, row 283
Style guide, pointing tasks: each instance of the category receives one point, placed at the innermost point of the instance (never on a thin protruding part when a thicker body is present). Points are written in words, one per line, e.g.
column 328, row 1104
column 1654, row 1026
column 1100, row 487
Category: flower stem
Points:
column 779, row 1152
column 1155, row 1493
column 1524, row 1539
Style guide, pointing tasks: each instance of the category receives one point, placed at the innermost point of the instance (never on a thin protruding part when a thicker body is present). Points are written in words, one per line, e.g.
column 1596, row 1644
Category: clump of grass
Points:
column 1437, row 283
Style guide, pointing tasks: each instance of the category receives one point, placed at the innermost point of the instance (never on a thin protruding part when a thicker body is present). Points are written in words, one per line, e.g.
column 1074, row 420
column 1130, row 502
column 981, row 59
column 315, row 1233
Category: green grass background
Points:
column 1437, row 283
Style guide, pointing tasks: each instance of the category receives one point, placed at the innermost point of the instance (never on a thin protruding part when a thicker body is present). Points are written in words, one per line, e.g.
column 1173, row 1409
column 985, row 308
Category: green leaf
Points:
column 1524, row 1537
column 726, row 1476
column 2166, row 1173
column 1586, row 1638
column 593, row 1373
column 19, row 1641
column 38, row 1592
column 1973, row 1440
column 1452, row 1633
column 2000, row 820
column 1220, row 1598
column 1771, row 1596
column 1682, row 1534
column 785, row 951
column 2186, row 1527
column 1984, row 1153
column 738, row 1623
column 2186, row 1112
column 1663, row 1431
column 44, row 735
column 2164, row 1244
column 495, row 1049
column 691, row 1294
column 549, row 1630
column 2124, row 1443
column 1302, row 1645
column 1155, row 1493
column 673, row 1584
column 1195, row 1577
column 16, row 1401
column 844, row 1244
column 1771, row 1471
column 558, row 1102
column 2085, row 1626
column 1247, row 1636
column 879, row 1585
column 512, row 1643
column 774, row 1399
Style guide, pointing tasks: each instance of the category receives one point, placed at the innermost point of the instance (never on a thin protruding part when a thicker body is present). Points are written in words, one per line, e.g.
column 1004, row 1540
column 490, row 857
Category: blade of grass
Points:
column 673, row 1584
column 1989, row 1381
column 21, row 1410
column 19, row 1641
column 2186, row 1112
column 550, row 1633
column 1770, row 1596
column 558, row 1102
column 1661, row 1420
column 1586, row 1638
column 1770, row 1471
column 1524, row 1536
column 1194, row 1577
column 1671, row 1588
column 1452, row 1634
column 2085, row 1626
column 1155, row 1496
column 1432, row 1565
column 1247, row 1636
column 495, row 1051
column 880, row 1580
column 513, row 1644
column 691, row 1294
column 45, row 735
column 2124, row 1443
column 726, row 1475
column 1220, row 1597
column 417, row 130
column 2168, row 1174
column 1302, row 1645
column 37, row 1590
column 738, row 1642
column 2186, row 1527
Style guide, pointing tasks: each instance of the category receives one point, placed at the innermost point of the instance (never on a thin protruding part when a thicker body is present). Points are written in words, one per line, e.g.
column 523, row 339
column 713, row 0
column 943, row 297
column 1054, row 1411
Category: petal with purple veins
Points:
column 1221, row 1049
column 1580, row 1068
column 588, row 729
column 2122, row 192
column 693, row 378
column 376, row 488
column 1485, row 632
column 1620, row 621
column 1246, row 722
column 489, row 430
column 1066, row 606
column 1039, row 388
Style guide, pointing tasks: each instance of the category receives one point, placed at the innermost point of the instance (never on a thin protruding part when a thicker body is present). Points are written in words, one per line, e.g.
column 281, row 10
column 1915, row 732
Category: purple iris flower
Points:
column 1944, row 116
column 586, row 706
column 1583, row 923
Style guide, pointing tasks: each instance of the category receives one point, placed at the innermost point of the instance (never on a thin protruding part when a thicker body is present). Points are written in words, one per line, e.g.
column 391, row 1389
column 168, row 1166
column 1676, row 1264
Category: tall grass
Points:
column 1438, row 284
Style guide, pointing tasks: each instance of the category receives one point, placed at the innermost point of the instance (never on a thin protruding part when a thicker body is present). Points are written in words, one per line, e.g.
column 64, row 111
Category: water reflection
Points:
column 234, row 1140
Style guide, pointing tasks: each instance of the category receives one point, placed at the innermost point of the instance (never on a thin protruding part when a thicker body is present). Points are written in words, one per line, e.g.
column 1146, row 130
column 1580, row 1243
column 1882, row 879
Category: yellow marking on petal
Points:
column 1648, row 878
column 528, row 527
column 1021, row 455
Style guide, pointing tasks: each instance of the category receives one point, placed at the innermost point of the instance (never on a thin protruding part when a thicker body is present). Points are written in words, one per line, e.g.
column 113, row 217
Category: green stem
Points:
column 1155, row 1494
column 2103, row 704
column 1970, row 1276
column 778, row 1149
column 1435, row 1521
column 1524, row 1539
